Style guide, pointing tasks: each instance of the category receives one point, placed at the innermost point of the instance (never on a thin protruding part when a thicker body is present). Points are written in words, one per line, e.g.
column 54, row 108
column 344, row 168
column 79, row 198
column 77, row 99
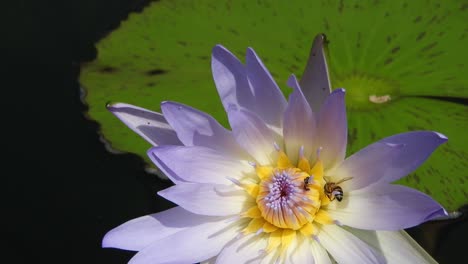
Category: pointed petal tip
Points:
column 113, row 106
column 339, row 90
column 441, row 136
column 440, row 212
column 292, row 81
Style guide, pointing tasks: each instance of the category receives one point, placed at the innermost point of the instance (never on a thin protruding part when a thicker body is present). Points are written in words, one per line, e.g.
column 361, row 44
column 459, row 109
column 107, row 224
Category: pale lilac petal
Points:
column 195, row 128
column 208, row 199
column 299, row 124
column 385, row 207
column 319, row 253
column 230, row 77
column 198, row 164
column 418, row 146
column 151, row 126
column 247, row 249
column 333, row 129
column 397, row 247
column 269, row 100
column 253, row 135
column 347, row 248
column 138, row 233
column 315, row 82
column 368, row 166
column 189, row 246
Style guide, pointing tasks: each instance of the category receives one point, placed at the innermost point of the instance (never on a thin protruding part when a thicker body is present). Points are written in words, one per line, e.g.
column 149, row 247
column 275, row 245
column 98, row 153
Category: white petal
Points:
column 396, row 246
column 138, row 233
column 269, row 100
column 333, row 129
column 347, row 248
column 367, row 166
column 300, row 251
column 189, row 246
column 244, row 250
column 195, row 128
column 208, row 199
column 385, row 207
column 151, row 126
column 299, row 124
column 319, row 253
column 315, row 82
column 198, row 164
column 253, row 135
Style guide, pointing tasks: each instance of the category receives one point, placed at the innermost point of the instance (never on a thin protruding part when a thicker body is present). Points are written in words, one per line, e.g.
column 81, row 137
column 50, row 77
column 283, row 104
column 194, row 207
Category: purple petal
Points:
column 195, row 128
column 189, row 246
column 333, row 129
column 315, row 81
column 152, row 126
column 418, row 146
column 299, row 124
column 231, row 80
column 385, row 207
column 138, row 233
column 244, row 250
column 367, row 166
column 253, row 135
column 395, row 246
column 208, row 199
column 347, row 248
column 269, row 100
column 198, row 164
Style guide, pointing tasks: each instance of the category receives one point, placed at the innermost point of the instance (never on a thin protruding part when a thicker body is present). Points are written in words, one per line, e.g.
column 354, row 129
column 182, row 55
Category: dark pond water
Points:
column 61, row 189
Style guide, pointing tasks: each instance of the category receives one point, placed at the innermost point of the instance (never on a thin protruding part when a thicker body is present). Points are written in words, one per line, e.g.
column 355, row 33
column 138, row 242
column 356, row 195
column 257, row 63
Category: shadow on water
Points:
column 62, row 191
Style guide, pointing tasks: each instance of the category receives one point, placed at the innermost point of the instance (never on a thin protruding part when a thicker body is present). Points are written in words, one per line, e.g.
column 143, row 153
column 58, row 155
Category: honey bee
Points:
column 333, row 190
column 306, row 182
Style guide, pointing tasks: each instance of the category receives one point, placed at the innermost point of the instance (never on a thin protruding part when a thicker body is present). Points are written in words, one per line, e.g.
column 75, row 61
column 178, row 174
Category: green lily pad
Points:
column 389, row 55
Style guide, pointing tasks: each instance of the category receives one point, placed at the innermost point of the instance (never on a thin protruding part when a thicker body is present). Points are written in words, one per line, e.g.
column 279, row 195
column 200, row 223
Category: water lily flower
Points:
column 277, row 188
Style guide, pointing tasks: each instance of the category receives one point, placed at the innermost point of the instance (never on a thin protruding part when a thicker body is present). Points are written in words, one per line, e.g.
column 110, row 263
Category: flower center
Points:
column 285, row 200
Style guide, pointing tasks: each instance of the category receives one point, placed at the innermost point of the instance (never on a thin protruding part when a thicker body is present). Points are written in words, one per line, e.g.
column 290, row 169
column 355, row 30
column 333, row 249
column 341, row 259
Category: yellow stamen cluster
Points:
column 289, row 201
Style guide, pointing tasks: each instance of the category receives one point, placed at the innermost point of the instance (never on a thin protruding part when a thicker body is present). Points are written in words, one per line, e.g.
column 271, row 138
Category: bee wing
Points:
column 343, row 180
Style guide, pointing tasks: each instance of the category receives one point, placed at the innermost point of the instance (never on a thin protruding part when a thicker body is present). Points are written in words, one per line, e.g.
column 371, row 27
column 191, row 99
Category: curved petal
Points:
column 385, row 207
column 243, row 250
column 298, row 124
column 315, row 82
column 195, row 128
column 396, row 246
column 418, row 146
column 138, row 233
column 347, row 248
column 300, row 251
column 319, row 253
column 253, row 135
column 231, row 80
column 151, row 126
column 208, row 199
column 198, row 164
column 269, row 100
column 189, row 246
column 368, row 166
column 333, row 129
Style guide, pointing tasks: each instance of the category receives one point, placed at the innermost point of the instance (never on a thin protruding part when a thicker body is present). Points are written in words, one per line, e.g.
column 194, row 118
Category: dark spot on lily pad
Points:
column 155, row 72
column 108, row 69
column 421, row 36
column 417, row 19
